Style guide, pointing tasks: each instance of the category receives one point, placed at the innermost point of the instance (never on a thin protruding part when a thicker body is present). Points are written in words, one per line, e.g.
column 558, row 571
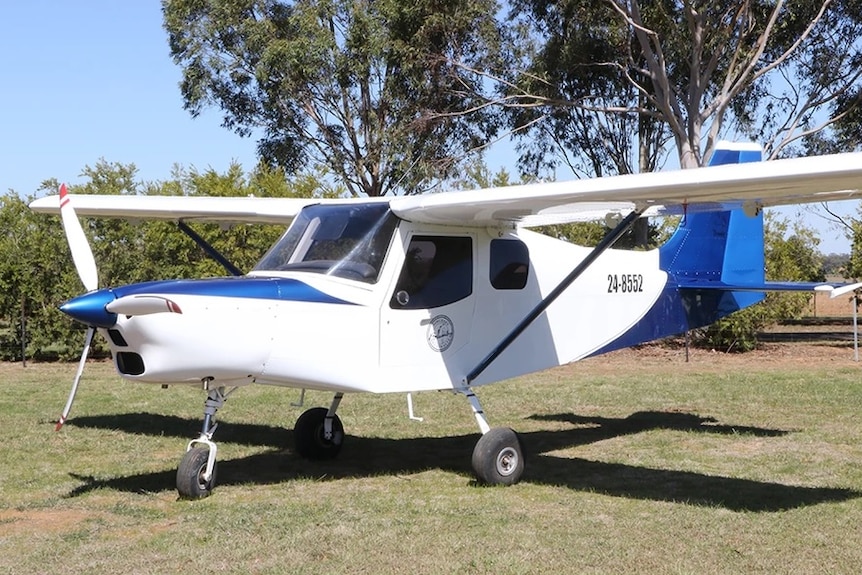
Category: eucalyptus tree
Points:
column 367, row 89
column 784, row 73
column 568, row 104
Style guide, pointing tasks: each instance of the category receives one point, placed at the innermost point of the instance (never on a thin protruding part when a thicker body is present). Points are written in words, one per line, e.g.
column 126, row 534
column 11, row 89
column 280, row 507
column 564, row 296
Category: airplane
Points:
column 448, row 291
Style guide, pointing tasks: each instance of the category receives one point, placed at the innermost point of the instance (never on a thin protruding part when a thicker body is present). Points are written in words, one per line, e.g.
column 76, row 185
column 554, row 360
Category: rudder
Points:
column 711, row 249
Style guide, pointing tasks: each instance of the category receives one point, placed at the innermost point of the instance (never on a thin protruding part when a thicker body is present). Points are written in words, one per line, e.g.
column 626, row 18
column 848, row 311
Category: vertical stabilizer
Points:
column 710, row 248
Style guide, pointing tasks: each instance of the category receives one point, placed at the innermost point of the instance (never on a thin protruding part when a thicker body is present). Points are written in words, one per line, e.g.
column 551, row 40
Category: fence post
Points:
column 23, row 335
column 687, row 342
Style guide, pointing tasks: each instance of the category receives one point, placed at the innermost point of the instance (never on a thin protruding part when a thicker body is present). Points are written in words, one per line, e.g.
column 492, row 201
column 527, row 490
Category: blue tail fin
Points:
column 715, row 250
column 713, row 260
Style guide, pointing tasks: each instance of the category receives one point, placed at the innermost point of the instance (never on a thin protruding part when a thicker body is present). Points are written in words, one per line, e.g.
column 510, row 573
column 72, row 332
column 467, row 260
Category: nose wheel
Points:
column 192, row 480
column 196, row 474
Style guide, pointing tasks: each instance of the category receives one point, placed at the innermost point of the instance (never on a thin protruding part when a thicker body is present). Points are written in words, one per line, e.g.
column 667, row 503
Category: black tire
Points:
column 190, row 482
column 498, row 458
column 308, row 435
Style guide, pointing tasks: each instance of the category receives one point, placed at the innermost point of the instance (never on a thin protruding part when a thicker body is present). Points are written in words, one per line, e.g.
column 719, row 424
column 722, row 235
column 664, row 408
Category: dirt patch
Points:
column 14, row 522
column 659, row 356
column 824, row 306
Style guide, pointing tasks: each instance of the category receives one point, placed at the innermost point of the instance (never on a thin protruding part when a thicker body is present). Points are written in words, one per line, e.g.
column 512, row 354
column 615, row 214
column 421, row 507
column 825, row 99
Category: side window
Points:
column 510, row 264
column 438, row 270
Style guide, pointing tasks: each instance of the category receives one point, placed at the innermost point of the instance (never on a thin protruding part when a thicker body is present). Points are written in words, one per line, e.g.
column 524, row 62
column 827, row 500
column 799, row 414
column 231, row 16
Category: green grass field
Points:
column 637, row 463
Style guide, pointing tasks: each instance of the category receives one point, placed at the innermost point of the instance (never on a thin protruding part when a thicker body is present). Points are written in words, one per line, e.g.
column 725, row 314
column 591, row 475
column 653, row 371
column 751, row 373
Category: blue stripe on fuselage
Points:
column 285, row 289
column 677, row 311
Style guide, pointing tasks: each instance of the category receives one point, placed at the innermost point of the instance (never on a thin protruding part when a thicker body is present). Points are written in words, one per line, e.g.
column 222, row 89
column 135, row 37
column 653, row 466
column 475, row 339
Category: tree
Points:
column 36, row 269
column 35, row 276
column 558, row 104
column 367, row 89
column 774, row 71
column 854, row 265
column 570, row 87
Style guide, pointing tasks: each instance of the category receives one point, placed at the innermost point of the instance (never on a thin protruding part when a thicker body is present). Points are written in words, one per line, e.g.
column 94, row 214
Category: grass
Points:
column 636, row 463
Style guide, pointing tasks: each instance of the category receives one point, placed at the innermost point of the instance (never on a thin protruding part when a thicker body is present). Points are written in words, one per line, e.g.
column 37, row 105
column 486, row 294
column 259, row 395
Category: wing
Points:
column 753, row 186
column 246, row 209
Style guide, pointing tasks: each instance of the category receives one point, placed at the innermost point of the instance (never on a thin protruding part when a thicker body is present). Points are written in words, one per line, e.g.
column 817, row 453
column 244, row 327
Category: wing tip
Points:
column 64, row 195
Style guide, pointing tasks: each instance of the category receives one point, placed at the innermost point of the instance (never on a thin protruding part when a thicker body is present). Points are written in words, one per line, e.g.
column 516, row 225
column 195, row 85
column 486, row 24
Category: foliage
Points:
column 854, row 266
column 35, row 276
column 562, row 102
column 37, row 273
column 853, row 269
column 784, row 73
column 477, row 175
column 591, row 233
column 791, row 254
column 367, row 89
column 836, row 265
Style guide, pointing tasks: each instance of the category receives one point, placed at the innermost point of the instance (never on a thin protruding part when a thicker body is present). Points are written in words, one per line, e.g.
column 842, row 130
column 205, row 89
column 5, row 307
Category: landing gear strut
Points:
column 497, row 458
column 196, row 473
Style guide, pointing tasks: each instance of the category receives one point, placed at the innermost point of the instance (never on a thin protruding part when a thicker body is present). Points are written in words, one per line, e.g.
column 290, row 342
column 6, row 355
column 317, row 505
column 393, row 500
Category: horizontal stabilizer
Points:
column 694, row 283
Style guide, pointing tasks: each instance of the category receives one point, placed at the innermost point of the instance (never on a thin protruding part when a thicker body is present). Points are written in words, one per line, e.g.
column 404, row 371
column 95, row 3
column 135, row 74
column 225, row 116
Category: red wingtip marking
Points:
column 64, row 195
column 60, row 424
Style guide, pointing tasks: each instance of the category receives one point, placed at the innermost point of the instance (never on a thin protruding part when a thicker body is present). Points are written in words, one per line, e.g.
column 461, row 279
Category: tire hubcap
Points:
column 507, row 461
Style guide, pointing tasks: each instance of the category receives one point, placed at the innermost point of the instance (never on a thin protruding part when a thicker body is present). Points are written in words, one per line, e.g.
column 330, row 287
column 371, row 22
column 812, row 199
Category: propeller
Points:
column 82, row 255
column 85, row 264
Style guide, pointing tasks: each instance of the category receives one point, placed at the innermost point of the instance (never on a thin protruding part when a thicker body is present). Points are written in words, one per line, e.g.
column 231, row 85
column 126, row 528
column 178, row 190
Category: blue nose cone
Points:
column 89, row 309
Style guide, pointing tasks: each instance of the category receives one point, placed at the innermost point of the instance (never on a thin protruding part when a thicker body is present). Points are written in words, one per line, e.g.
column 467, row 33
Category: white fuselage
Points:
column 365, row 341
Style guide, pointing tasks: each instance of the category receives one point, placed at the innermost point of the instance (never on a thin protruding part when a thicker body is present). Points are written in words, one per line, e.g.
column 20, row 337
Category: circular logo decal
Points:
column 441, row 332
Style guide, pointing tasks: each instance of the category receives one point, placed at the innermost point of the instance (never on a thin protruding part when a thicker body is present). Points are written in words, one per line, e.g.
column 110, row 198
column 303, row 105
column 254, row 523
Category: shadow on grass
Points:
column 172, row 426
column 599, row 428
column 370, row 456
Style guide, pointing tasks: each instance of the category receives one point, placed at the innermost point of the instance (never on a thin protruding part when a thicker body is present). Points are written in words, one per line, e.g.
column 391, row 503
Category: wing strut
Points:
column 210, row 251
column 610, row 238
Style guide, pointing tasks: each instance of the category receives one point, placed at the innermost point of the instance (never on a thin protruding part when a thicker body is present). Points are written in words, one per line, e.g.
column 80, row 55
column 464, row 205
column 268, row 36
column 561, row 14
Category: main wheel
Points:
column 309, row 438
column 497, row 457
column 190, row 474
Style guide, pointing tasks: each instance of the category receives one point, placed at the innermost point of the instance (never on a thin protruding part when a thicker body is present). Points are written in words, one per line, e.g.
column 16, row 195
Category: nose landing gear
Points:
column 196, row 473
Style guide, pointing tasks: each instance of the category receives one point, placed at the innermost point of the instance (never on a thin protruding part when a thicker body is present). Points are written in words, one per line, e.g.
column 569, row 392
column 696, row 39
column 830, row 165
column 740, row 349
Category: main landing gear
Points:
column 318, row 433
column 497, row 458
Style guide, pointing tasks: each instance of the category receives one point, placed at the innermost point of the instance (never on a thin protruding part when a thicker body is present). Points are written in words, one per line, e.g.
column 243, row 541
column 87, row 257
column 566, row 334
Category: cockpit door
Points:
column 428, row 315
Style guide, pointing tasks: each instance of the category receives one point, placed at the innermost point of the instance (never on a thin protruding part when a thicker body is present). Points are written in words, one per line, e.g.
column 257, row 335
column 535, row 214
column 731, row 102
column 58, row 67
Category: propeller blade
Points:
column 82, row 255
column 87, row 340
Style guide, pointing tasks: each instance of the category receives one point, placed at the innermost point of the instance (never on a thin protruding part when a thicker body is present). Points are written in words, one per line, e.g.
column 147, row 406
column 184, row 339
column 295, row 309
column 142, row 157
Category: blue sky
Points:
column 93, row 79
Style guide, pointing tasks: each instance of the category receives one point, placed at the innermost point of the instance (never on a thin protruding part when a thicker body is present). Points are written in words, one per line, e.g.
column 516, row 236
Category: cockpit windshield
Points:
column 348, row 241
